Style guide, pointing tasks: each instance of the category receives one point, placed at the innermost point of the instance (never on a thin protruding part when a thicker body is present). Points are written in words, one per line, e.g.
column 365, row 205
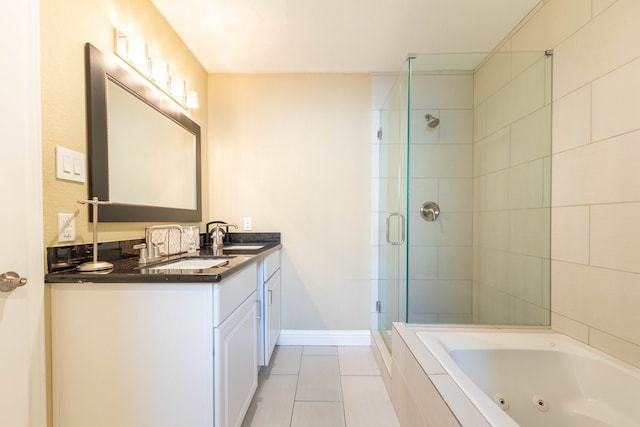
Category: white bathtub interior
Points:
column 538, row 378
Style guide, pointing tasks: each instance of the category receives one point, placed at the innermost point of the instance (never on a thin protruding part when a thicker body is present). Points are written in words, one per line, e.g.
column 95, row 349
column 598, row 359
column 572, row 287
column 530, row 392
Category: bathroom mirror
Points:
column 144, row 152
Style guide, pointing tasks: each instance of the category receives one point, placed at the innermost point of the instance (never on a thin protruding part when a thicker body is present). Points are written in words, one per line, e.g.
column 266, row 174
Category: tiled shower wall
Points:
column 511, row 166
column 595, row 167
column 440, row 252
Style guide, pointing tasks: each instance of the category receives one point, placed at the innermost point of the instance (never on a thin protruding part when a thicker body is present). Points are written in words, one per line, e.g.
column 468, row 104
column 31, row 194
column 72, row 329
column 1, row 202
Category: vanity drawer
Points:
column 231, row 292
column 270, row 265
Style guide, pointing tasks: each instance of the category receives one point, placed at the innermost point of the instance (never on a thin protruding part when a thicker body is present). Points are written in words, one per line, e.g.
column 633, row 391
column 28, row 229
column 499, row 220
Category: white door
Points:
column 22, row 379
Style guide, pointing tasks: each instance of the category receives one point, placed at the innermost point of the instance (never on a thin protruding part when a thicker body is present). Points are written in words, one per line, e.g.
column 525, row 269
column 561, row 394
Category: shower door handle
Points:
column 402, row 230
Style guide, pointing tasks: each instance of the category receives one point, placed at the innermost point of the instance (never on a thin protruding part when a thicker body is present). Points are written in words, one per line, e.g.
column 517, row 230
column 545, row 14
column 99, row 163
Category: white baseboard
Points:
column 325, row 337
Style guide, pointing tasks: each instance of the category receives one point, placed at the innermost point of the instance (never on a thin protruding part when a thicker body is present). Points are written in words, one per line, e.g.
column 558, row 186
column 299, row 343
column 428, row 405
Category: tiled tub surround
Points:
column 453, row 376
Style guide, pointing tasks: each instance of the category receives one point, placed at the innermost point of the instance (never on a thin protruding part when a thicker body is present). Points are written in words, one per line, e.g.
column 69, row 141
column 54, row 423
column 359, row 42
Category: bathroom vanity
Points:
column 165, row 347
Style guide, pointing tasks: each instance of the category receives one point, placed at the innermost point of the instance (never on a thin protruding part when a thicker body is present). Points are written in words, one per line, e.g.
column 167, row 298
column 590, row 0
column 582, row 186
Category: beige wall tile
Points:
column 455, row 194
column 552, row 24
column 423, row 261
column 492, row 153
column 520, row 97
column 570, row 234
column 466, row 412
column 432, row 408
column 491, row 77
column 615, row 236
column 523, row 312
column 480, row 193
column 492, row 230
column 497, row 191
column 490, row 305
column 531, row 137
column 455, row 262
column 451, row 229
column 422, row 190
column 616, row 102
column 492, row 268
column 624, row 350
column 564, row 325
column 439, row 296
column 603, row 172
column 480, row 121
column 526, row 185
column 441, row 160
column 597, row 48
column 600, row 5
column 456, row 126
column 442, row 91
column 601, row 298
column 525, row 278
column 525, row 236
column 572, row 120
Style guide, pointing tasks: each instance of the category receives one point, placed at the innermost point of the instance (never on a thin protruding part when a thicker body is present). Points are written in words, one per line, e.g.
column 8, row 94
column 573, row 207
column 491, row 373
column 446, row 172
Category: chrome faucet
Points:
column 217, row 235
column 149, row 250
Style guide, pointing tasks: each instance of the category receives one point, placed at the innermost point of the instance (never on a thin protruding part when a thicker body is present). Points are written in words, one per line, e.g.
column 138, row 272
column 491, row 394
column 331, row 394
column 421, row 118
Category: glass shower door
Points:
column 392, row 256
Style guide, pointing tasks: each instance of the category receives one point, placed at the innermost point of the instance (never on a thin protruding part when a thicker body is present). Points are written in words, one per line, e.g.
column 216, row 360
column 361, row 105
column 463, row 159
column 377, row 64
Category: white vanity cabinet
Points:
column 154, row 354
column 269, row 296
column 132, row 354
column 235, row 347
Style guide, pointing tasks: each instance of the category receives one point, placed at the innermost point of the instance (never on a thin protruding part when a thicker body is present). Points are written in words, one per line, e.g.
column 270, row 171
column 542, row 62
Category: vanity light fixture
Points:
column 191, row 100
column 177, row 87
column 156, row 70
column 159, row 71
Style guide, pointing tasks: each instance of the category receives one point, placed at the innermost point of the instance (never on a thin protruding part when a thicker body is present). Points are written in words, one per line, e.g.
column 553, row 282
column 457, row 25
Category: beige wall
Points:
column 293, row 153
column 66, row 25
column 595, row 189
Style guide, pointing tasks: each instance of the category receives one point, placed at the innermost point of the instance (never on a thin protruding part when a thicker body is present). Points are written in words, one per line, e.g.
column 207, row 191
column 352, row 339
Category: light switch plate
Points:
column 70, row 165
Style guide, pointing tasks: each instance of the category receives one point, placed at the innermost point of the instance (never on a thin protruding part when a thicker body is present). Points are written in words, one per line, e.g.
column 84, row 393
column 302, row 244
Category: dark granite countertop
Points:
column 127, row 270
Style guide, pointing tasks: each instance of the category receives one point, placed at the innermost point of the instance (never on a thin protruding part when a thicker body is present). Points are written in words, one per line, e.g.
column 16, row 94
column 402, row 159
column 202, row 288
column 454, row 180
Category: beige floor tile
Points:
column 318, row 414
column 319, row 379
column 272, row 404
column 285, row 360
column 319, row 350
column 357, row 361
column 366, row 402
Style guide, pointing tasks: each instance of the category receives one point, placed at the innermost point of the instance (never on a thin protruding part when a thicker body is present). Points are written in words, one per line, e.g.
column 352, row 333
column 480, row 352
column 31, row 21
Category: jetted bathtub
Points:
column 538, row 378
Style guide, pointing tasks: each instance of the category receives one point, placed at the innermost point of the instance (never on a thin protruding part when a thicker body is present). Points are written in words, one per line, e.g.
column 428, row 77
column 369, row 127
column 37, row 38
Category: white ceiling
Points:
column 281, row 36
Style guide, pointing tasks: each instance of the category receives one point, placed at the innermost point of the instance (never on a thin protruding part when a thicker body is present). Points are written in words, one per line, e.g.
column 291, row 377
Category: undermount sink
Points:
column 193, row 264
column 242, row 247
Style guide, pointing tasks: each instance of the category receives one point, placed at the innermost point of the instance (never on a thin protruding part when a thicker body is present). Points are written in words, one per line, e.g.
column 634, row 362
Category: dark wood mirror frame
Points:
column 99, row 68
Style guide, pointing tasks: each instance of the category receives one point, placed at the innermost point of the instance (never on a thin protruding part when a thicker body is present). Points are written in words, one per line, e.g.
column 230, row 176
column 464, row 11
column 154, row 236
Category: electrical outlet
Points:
column 247, row 223
column 66, row 227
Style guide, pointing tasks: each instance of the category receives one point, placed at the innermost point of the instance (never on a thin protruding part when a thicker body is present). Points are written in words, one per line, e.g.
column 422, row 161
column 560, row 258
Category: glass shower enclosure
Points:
column 465, row 191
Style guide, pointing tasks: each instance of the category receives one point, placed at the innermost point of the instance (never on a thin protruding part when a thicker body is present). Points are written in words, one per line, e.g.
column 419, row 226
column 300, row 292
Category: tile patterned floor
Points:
column 308, row 386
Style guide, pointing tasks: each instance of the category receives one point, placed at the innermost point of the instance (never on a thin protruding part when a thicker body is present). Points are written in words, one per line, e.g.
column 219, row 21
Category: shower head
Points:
column 432, row 121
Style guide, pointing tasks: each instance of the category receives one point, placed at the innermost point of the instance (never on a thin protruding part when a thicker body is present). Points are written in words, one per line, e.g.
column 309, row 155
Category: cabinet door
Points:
column 236, row 364
column 272, row 327
column 132, row 355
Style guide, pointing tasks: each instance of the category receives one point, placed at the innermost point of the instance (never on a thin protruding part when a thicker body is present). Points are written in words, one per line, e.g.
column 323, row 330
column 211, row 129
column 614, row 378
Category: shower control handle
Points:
column 430, row 211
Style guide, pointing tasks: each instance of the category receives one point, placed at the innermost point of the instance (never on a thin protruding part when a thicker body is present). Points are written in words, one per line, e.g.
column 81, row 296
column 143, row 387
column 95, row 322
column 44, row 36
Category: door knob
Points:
column 11, row 280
